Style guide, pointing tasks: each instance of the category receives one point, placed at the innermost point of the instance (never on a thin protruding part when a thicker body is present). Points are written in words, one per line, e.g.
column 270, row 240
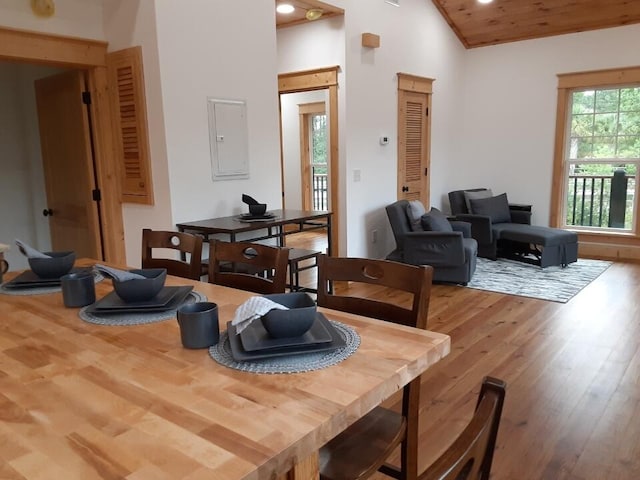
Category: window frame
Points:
column 567, row 84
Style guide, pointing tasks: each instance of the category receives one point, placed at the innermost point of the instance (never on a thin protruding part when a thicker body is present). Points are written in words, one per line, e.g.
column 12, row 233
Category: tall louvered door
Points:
column 414, row 125
column 126, row 82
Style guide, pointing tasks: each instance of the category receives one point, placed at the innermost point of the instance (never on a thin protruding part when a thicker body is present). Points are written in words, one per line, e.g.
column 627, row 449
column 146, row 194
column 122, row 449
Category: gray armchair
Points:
column 452, row 254
column 485, row 229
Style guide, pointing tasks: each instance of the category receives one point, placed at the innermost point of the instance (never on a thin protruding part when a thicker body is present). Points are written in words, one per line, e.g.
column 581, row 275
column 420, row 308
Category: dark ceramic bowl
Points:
column 141, row 290
column 293, row 322
column 258, row 209
column 58, row 265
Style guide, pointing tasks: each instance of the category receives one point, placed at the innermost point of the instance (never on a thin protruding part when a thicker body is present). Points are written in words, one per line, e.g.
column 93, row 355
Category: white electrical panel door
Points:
column 228, row 139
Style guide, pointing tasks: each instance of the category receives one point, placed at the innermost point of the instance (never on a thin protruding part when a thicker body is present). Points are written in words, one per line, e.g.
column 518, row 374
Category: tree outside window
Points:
column 602, row 153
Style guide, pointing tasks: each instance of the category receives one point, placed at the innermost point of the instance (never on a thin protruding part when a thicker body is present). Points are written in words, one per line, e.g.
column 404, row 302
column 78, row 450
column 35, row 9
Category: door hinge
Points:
column 426, row 171
column 426, row 111
column 86, row 98
column 97, row 196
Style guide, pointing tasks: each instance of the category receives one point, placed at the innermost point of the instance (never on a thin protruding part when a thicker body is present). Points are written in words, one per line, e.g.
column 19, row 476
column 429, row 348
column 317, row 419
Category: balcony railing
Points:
column 601, row 200
column 319, row 192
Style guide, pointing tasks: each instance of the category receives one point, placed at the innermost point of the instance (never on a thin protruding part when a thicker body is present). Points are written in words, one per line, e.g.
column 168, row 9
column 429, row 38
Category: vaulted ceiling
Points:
column 503, row 21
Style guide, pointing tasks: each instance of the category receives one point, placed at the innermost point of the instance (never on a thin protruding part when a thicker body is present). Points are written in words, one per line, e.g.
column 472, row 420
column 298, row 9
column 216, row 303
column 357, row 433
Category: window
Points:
column 318, row 127
column 314, row 155
column 598, row 152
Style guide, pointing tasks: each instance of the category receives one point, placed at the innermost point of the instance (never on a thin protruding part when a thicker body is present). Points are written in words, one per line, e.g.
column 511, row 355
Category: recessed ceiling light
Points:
column 284, row 8
column 485, row 1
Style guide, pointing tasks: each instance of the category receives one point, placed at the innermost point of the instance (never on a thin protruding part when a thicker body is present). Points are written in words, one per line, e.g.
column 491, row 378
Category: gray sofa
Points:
column 505, row 230
column 452, row 253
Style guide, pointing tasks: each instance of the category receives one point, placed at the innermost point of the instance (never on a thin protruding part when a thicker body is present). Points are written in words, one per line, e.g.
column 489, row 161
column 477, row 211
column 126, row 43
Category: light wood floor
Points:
column 572, row 409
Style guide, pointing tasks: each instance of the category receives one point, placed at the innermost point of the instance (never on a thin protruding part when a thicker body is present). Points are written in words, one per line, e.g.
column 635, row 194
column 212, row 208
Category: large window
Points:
column 598, row 152
column 603, row 151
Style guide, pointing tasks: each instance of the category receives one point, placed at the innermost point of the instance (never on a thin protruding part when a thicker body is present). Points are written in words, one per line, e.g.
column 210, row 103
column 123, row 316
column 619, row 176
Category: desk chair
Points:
column 471, row 454
column 182, row 242
column 363, row 448
column 239, row 265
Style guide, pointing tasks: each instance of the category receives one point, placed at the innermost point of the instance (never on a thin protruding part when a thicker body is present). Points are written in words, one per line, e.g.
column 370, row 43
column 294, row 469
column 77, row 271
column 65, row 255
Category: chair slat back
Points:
column 248, row 266
column 412, row 279
column 186, row 243
column 471, row 454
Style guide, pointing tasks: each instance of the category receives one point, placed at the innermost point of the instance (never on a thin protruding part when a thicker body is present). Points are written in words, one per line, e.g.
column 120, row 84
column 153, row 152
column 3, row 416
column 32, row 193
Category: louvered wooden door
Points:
column 413, row 139
column 126, row 80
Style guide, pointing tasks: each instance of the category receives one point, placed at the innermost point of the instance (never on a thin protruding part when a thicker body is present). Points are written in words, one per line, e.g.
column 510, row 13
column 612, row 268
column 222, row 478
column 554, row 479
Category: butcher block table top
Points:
column 86, row 401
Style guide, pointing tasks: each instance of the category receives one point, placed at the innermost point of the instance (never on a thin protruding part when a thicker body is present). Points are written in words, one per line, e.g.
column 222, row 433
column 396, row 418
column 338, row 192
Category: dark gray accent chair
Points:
column 483, row 230
column 452, row 254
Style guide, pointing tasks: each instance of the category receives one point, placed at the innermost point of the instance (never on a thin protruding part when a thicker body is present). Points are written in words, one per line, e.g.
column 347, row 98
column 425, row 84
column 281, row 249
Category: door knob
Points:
column 47, row 212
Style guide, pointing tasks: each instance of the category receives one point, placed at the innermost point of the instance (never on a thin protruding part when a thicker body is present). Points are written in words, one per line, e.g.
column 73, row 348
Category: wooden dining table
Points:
column 86, row 401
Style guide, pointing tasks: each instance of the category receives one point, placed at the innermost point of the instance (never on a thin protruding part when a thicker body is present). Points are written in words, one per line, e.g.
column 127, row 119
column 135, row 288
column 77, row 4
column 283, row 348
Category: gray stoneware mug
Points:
column 198, row 324
column 78, row 289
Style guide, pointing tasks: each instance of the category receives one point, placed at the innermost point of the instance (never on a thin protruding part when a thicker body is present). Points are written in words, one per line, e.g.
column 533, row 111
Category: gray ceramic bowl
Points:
column 293, row 322
column 140, row 290
column 258, row 209
column 58, row 265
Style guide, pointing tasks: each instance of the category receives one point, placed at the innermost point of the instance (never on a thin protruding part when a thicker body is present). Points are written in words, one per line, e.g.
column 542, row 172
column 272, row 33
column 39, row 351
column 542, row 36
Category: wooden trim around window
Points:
column 618, row 246
column 305, row 111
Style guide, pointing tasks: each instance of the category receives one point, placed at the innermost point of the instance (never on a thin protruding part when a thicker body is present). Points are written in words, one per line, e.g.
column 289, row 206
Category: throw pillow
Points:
column 495, row 207
column 468, row 196
column 415, row 210
column 435, row 221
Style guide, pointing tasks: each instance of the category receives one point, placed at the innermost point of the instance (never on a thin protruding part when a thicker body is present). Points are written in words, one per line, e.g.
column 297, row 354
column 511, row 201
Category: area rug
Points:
column 556, row 284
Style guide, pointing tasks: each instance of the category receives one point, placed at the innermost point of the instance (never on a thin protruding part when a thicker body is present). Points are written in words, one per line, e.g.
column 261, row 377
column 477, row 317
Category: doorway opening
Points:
column 323, row 83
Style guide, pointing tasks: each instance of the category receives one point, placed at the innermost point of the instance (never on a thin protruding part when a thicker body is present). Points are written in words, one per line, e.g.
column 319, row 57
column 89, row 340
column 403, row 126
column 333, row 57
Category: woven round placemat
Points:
column 97, row 277
column 141, row 318
column 300, row 362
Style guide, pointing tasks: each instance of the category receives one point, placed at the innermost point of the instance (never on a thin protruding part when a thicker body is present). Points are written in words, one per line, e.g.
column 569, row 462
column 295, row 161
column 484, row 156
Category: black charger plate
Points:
column 240, row 355
column 28, row 279
column 255, row 336
column 178, row 295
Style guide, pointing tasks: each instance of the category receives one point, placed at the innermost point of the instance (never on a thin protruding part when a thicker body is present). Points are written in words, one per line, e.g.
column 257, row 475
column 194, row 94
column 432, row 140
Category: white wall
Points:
column 316, row 45
column 416, row 40
column 77, row 18
column 131, row 23
column 194, row 50
column 289, row 110
column 507, row 121
column 214, row 49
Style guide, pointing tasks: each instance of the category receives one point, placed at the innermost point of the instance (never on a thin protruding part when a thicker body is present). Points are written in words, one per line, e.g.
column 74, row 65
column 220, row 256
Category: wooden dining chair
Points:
column 364, row 447
column 471, row 454
column 248, row 266
column 186, row 243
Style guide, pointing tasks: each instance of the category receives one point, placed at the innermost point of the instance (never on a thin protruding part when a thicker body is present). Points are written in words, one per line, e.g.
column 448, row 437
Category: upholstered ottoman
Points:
column 551, row 246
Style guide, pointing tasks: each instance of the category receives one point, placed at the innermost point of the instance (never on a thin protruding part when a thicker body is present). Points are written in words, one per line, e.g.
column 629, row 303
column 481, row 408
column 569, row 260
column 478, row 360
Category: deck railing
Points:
column 319, row 191
column 601, row 200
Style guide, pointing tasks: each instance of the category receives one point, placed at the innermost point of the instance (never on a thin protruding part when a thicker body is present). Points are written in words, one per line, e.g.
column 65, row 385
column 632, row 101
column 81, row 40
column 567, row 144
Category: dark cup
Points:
column 198, row 324
column 78, row 289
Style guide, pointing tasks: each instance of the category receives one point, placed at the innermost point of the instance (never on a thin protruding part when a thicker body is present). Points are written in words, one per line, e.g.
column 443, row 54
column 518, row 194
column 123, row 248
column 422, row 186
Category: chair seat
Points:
column 344, row 458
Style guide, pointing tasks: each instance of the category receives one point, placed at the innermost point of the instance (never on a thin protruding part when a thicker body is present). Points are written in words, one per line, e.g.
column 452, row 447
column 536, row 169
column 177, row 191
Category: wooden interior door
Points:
column 414, row 125
column 65, row 141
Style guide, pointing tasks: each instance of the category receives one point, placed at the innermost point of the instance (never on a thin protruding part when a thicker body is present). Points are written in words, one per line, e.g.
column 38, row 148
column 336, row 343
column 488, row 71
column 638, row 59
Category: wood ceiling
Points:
column 502, row 21
column 301, row 9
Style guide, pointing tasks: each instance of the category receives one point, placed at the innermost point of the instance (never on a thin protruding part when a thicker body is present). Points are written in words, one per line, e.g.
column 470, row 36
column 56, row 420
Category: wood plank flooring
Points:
column 572, row 409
